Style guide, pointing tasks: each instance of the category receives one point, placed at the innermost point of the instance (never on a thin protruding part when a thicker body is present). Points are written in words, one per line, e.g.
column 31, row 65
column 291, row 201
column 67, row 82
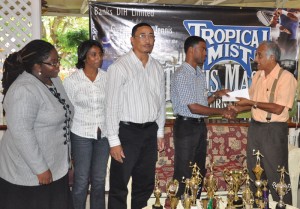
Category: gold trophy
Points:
column 157, row 195
column 172, row 188
column 265, row 195
column 188, row 199
column 230, row 194
column 258, row 170
column 210, row 184
column 281, row 188
column 235, row 178
column 195, row 181
column 248, row 198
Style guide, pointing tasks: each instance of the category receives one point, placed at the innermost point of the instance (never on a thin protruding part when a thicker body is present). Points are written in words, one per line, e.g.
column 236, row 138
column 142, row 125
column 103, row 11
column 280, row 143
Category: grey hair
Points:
column 272, row 49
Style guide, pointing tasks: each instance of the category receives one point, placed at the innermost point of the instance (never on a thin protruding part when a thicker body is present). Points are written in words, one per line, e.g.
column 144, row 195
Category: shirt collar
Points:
column 273, row 74
column 83, row 76
column 191, row 69
column 133, row 55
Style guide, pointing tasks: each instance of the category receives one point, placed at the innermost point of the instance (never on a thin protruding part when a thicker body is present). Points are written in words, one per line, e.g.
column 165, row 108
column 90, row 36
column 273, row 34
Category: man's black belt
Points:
column 199, row 120
column 138, row 125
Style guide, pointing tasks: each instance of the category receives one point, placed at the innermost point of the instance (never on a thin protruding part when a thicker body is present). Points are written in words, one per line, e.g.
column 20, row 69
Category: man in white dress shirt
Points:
column 135, row 117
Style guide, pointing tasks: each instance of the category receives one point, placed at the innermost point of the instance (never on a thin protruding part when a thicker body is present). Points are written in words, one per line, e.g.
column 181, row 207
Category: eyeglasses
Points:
column 57, row 64
column 144, row 36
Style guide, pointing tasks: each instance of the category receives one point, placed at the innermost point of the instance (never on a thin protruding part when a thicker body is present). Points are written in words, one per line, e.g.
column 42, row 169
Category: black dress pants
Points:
column 140, row 148
column 190, row 145
column 271, row 139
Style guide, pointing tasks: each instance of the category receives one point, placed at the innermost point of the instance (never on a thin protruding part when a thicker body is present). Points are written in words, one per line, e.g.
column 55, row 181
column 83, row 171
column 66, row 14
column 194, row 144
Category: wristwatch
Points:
column 255, row 105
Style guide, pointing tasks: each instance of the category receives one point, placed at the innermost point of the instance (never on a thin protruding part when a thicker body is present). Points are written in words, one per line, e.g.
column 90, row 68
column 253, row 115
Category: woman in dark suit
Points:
column 35, row 151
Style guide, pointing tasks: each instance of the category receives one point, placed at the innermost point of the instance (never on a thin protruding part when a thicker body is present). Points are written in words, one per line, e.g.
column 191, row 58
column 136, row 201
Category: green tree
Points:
column 65, row 33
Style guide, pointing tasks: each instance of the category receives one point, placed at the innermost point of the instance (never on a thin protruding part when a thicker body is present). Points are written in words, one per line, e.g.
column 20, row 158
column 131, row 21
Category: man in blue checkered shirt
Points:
column 190, row 104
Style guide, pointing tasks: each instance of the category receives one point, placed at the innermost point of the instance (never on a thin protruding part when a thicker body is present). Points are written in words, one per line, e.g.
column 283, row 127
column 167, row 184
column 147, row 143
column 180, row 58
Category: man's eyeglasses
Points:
column 143, row 36
column 56, row 64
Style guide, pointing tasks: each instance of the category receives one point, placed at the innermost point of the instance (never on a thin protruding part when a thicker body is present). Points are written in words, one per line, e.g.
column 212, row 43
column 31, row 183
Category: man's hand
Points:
column 221, row 93
column 45, row 177
column 160, row 144
column 244, row 102
column 236, row 108
column 117, row 153
column 229, row 113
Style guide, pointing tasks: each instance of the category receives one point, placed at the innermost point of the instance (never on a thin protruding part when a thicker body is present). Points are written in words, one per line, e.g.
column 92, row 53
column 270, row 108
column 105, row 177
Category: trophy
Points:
column 235, row 179
column 210, row 184
column 265, row 195
column 157, row 195
column 258, row 170
column 172, row 188
column 188, row 199
column 281, row 188
column 230, row 194
column 195, row 181
column 248, row 198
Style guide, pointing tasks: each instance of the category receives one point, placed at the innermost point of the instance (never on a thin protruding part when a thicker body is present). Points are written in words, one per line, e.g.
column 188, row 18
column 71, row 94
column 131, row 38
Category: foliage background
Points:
column 65, row 33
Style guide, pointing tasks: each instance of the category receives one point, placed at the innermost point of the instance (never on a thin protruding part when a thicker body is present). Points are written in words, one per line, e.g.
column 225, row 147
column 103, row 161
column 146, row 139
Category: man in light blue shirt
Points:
column 190, row 105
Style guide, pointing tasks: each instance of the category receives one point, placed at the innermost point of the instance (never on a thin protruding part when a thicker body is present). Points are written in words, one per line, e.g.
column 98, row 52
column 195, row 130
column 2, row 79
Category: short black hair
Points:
column 82, row 50
column 191, row 42
column 134, row 29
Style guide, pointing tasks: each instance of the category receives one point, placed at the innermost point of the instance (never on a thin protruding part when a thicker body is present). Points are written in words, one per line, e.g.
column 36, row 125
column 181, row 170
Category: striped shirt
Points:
column 88, row 98
column 188, row 86
column 134, row 93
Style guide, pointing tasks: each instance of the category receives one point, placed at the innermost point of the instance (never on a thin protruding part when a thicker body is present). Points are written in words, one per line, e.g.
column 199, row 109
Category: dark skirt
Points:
column 52, row 196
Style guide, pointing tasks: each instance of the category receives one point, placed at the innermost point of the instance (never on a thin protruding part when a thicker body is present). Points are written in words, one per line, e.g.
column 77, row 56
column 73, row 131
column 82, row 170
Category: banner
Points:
column 232, row 36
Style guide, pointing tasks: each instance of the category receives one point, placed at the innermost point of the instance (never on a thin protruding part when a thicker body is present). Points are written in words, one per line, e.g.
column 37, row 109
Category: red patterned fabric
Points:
column 226, row 147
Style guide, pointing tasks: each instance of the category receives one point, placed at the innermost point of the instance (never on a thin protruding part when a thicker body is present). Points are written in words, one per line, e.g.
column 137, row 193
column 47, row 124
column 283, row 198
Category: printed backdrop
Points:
column 232, row 36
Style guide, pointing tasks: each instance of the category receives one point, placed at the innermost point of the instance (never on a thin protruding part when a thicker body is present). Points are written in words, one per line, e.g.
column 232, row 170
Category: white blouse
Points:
column 88, row 98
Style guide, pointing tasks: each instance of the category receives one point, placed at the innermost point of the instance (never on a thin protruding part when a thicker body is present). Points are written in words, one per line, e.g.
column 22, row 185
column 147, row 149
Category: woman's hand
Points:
column 45, row 178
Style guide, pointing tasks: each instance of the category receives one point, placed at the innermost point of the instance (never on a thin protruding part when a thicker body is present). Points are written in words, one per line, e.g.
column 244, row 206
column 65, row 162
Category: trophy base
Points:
column 157, row 207
column 205, row 202
column 280, row 206
column 238, row 203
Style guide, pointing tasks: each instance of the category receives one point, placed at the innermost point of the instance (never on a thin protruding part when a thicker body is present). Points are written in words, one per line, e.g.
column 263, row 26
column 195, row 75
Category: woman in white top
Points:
column 90, row 149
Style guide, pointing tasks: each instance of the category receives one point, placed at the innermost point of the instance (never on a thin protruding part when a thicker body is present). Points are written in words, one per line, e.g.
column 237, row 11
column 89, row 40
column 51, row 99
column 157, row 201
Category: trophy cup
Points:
column 248, row 198
column 235, row 178
column 210, row 184
column 157, row 195
column 281, row 188
column 258, row 170
column 172, row 188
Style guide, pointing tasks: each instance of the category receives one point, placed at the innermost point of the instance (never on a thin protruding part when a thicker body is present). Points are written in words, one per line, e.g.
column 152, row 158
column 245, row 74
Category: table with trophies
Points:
column 234, row 198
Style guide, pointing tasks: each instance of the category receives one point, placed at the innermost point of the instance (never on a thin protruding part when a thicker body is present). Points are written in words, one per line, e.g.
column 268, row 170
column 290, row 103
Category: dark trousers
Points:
column 52, row 196
column 190, row 144
column 140, row 149
column 271, row 139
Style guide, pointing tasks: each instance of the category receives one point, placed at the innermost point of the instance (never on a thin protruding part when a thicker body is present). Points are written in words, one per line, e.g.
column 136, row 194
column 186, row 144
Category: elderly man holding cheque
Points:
column 269, row 104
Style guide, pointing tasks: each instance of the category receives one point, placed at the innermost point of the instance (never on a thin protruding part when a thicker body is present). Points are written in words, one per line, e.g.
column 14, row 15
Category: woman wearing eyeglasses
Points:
column 34, row 151
column 90, row 149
